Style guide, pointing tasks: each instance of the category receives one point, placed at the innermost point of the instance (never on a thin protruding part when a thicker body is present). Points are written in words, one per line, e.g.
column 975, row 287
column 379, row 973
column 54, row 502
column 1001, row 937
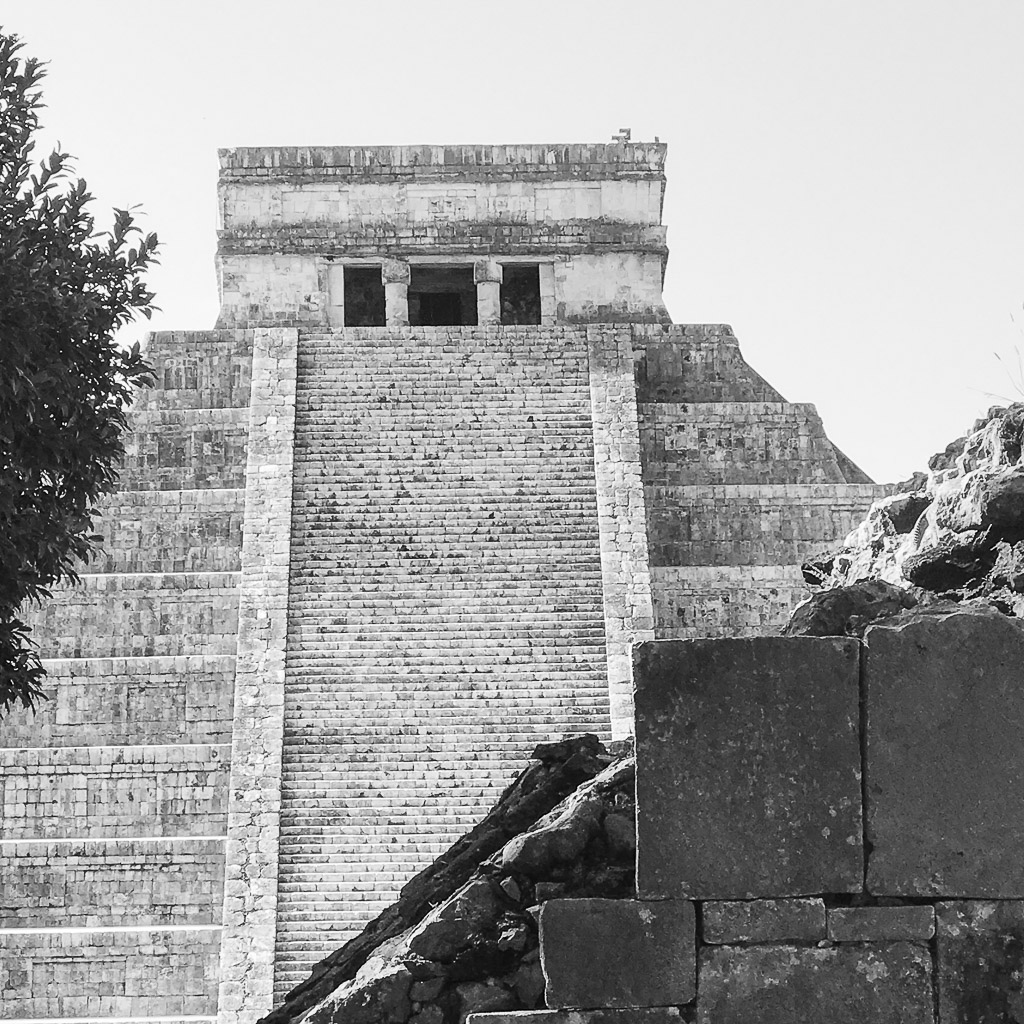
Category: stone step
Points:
column 431, row 473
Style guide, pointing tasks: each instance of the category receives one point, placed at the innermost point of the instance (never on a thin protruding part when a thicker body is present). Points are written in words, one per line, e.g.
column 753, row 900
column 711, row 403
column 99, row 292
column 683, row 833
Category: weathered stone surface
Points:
column 477, row 949
column 632, row 1015
column 980, row 962
column 875, row 924
column 945, row 765
column 806, row 985
column 748, row 768
column 847, row 611
column 454, row 925
column 954, row 531
column 728, row 921
column 618, row 953
column 563, row 766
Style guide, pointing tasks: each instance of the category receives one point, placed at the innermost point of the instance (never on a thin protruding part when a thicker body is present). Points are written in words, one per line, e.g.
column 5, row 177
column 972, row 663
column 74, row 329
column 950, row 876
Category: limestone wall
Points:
column 592, row 213
column 114, row 794
column 740, row 486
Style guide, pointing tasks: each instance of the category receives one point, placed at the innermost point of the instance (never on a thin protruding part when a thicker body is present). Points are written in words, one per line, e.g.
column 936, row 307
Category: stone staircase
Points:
column 445, row 608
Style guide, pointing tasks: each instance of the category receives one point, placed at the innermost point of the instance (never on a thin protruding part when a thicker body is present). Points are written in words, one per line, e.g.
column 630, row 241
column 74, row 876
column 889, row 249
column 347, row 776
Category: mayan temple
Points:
column 396, row 519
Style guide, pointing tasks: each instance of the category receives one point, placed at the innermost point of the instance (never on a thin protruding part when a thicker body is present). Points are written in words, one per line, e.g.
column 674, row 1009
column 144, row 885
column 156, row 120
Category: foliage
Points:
column 65, row 384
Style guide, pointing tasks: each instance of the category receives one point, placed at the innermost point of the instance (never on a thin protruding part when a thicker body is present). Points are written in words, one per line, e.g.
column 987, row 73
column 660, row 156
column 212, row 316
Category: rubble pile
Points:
column 951, row 536
column 463, row 937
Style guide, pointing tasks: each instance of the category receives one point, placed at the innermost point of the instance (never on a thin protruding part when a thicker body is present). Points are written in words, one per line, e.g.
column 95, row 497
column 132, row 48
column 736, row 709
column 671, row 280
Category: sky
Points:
column 845, row 181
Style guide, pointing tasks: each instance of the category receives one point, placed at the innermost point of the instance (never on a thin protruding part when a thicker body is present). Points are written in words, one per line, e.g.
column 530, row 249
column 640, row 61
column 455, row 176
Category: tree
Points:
column 65, row 384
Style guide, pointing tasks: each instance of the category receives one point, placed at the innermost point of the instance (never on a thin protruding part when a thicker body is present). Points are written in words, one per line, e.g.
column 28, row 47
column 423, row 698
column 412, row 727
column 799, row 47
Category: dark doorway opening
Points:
column 520, row 294
column 364, row 297
column 442, row 297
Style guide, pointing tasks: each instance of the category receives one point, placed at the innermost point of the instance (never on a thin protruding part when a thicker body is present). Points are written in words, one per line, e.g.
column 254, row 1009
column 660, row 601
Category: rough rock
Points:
column 801, row 985
column 956, row 532
column 767, row 802
column 559, row 769
column 944, row 710
column 847, row 611
column 476, row 951
column 618, row 953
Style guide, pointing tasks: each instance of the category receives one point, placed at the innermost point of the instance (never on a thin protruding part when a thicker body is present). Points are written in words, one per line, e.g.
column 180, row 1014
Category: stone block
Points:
column 617, row 953
column 728, row 921
column 980, row 961
column 879, row 924
column 631, row 1015
column 807, row 985
column 748, row 768
column 945, row 765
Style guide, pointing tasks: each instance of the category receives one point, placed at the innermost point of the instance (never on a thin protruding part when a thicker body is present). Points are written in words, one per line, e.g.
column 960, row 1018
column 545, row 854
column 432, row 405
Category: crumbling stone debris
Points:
column 953, row 534
column 463, row 937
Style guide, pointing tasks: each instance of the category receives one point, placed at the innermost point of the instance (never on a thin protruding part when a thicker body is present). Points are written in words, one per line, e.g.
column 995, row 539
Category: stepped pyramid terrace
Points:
column 397, row 519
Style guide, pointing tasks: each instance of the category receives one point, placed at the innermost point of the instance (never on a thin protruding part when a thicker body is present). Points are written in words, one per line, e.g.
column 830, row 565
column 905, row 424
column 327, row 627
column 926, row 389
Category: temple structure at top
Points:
column 399, row 517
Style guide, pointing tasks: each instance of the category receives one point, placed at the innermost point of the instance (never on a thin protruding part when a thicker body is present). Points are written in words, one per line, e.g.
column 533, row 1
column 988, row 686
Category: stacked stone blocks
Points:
column 762, row 765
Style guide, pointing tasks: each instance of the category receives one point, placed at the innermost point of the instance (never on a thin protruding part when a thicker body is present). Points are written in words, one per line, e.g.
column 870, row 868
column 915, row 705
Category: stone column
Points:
column 546, row 272
column 395, row 275
column 487, row 278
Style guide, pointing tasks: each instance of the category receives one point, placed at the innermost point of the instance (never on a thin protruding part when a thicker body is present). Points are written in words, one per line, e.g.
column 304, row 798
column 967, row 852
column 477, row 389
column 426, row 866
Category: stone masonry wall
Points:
column 739, row 485
column 445, row 609
column 827, row 832
column 592, row 214
column 114, row 793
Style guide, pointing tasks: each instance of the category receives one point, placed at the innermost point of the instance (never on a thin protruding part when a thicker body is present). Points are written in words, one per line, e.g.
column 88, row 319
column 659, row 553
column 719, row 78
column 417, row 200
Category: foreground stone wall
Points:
column 827, row 831
column 114, row 794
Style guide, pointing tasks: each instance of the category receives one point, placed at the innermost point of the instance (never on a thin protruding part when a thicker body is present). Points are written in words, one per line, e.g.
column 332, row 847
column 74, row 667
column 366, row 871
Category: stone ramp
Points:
column 445, row 609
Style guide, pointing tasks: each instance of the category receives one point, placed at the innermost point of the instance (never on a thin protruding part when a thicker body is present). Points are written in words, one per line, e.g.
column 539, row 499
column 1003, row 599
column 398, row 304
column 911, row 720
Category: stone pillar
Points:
column 336, row 295
column 487, row 278
column 546, row 272
column 395, row 275
column 254, row 797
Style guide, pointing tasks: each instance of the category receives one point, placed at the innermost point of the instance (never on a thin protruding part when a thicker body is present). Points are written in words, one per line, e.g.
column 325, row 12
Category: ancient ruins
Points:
column 396, row 520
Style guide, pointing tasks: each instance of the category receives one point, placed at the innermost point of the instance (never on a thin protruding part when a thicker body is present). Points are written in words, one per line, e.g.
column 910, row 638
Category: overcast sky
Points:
column 845, row 179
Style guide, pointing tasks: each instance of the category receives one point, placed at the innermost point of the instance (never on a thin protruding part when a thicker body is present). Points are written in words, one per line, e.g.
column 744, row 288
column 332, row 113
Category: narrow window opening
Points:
column 364, row 297
column 520, row 294
column 442, row 296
